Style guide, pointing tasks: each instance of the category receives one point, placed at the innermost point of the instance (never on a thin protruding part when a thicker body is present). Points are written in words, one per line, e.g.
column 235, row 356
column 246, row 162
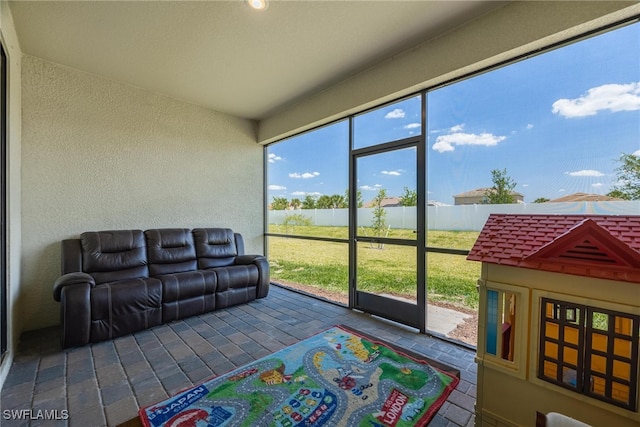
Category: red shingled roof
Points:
column 601, row 246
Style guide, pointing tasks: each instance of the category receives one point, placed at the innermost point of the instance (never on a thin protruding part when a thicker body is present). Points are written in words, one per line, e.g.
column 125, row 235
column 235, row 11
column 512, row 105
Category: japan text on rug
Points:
column 339, row 377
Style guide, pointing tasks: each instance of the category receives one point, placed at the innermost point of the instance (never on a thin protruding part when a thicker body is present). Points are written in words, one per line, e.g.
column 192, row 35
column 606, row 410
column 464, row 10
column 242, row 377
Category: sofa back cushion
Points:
column 170, row 250
column 215, row 247
column 114, row 255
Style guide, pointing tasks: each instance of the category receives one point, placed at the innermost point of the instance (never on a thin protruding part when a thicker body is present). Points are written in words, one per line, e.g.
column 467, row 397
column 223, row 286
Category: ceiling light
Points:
column 258, row 4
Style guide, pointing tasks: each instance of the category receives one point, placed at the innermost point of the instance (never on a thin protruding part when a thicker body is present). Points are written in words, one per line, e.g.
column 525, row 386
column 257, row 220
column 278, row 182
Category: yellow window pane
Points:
column 570, row 355
column 599, row 342
column 552, row 331
column 621, row 370
column 598, row 364
column 549, row 310
column 597, row 385
column 551, row 350
column 622, row 347
column 550, row 370
column 571, row 335
column 620, row 392
column 623, row 325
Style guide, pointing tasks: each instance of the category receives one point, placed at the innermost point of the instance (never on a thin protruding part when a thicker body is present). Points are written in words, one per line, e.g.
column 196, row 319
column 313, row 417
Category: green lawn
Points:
column 390, row 269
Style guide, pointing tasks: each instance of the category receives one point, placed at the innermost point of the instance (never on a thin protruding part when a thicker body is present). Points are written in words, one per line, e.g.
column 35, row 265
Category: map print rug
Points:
column 340, row 377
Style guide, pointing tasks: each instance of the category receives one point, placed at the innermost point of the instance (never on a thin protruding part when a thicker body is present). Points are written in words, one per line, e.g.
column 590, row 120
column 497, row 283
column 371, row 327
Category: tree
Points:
column 541, row 200
column 279, row 203
column 503, row 185
column 309, row 202
column 359, row 199
column 295, row 203
column 379, row 224
column 323, row 202
column 409, row 197
column 617, row 194
column 338, row 201
column 628, row 174
column 335, row 201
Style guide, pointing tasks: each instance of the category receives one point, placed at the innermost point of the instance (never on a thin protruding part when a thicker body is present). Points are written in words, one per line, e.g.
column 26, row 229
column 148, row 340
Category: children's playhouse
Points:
column 559, row 319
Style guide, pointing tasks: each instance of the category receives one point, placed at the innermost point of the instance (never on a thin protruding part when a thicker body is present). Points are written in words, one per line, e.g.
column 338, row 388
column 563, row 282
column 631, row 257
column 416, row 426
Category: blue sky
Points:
column 557, row 122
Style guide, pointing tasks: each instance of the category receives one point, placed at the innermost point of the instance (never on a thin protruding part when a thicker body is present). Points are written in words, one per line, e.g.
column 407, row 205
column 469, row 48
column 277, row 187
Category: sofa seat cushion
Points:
column 119, row 308
column 179, row 286
column 188, row 294
column 236, row 284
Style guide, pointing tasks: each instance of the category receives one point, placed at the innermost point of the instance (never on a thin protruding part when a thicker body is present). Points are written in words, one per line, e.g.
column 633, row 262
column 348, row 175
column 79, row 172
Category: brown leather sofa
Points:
column 121, row 281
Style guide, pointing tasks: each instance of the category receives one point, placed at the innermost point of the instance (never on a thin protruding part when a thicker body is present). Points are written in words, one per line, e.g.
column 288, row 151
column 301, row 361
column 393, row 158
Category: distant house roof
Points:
column 387, row 202
column 436, row 203
column 479, row 192
column 584, row 197
column 586, row 245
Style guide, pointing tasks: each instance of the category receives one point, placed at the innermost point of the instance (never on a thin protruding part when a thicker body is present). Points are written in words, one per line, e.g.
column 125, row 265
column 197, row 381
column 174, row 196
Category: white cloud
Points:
column 597, row 185
column 305, row 193
column 525, row 185
column 452, row 129
column 273, row 158
column 585, row 172
column 612, row 97
column 277, row 187
column 636, row 153
column 370, row 188
column 529, row 126
column 392, row 173
column 412, row 126
column 398, row 113
column 305, row 175
column 448, row 142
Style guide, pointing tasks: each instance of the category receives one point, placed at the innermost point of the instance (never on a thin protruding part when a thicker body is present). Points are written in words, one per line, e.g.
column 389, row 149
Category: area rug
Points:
column 340, row 377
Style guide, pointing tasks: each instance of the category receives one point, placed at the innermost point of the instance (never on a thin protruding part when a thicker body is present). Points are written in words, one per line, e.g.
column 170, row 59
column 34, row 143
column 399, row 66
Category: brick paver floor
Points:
column 104, row 384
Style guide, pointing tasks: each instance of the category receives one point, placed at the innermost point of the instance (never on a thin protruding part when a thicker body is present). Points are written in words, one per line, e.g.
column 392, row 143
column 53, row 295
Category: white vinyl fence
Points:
column 459, row 218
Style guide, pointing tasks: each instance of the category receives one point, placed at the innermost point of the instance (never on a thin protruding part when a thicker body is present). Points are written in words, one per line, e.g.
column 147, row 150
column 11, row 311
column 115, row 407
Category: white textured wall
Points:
column 100, row 155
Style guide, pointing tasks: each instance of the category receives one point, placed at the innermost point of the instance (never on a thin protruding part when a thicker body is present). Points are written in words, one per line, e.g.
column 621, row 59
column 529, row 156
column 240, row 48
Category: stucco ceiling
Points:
column 224, row 55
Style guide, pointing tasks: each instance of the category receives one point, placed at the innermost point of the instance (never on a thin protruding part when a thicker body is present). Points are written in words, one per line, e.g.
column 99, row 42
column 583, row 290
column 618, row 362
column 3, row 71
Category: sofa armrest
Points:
column 70, row 279
column 263, row 271
column 73, row 291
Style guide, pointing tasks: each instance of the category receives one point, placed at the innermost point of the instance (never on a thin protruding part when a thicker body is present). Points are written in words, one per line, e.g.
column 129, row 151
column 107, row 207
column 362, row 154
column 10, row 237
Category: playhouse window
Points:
column 501, row 324
column 590, row 350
